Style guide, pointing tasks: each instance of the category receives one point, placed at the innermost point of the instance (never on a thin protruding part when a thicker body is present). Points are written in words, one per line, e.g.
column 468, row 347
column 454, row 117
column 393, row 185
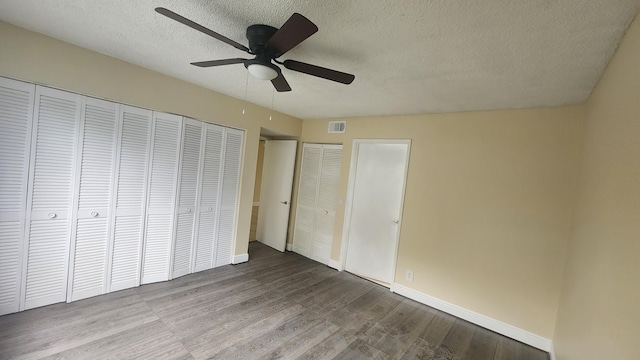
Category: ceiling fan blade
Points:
column 170, row 14
column 281, row 84
column 319, row 71
column 211, row 63
column 292, row 33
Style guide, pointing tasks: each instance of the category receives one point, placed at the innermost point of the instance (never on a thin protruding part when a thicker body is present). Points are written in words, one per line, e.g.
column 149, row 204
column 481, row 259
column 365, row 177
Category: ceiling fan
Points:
column 268, row 44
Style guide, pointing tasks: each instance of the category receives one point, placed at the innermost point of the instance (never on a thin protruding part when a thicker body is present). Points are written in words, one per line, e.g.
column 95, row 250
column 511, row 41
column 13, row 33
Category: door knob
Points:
column 395, row 221
column 52, row 215
column 284, row 202
column 94, row 214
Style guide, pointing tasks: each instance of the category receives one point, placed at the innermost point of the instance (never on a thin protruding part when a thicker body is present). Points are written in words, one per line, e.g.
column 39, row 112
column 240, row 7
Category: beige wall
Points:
column 487, row 206
column 599, row 314
column 36, row 58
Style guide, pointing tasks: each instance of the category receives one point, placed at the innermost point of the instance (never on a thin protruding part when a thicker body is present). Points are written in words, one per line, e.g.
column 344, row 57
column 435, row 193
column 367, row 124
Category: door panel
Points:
column 91, row 237
column 232, row 161
column 317, row 201
column 275, row 194
column 163, row 169
column 187, row 197
column 376, row 206
column 56, row 123
column 130, row 197
column 16, row 113
column 209, row 202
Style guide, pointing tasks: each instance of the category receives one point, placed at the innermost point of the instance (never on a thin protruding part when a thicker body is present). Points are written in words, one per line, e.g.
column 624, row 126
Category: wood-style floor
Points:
column 276, row 306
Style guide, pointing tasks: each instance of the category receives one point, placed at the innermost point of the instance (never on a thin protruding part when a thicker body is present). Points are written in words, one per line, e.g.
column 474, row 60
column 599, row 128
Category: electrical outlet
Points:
column 409, row 275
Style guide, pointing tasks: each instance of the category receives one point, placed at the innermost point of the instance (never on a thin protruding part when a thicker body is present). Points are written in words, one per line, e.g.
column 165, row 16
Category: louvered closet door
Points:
column 325, row 215
column 16, row 112
column 95, row 176
column 163, row 170
column 209, row 198
column 232, row 160
column 56, row 123
column 307, row 197
column 187, row 197
column 130, row 197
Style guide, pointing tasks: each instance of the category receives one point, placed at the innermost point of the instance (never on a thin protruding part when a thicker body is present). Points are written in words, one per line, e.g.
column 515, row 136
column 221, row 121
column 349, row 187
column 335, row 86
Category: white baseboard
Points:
column 239, row 259
column 478, row 319
column 289, row 247
column 335, row 264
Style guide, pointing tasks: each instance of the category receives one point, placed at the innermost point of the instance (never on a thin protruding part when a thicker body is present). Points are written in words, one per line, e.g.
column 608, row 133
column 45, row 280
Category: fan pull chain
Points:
column 246, row 85
column 273, row 93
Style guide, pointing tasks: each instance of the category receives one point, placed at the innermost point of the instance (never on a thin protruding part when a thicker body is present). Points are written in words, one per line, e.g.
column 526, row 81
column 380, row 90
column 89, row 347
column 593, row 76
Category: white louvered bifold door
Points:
column 209, row 198
column 16, row 112
column 232, row 161
column 129, row 198
column 326, row 203
column 56, row 123
column 307, row 198
column 90, row 237
column 163, row 170
column 187, row 197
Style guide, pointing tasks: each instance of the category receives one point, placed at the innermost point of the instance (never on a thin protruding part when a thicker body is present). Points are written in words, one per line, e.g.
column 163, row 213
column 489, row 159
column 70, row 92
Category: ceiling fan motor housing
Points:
column 258, row 35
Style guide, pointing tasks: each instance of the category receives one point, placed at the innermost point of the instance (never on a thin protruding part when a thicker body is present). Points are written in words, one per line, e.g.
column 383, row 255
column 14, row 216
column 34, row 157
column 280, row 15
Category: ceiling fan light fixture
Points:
column 262, row 72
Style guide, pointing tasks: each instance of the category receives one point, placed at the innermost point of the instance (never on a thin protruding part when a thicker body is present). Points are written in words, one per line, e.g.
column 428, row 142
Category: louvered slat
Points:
column 94, row 196
column 206, row 235
column 133, row 158
column 90, row 255
column 309, row 174
column 125, row 268
column 182, row 255
column 16, row 112
column 329, row 178
column 128, row 221
column 56, row 121
column 230, row 184
column 187, row 198
column 211, row 170
column 157, row 246
column 167, row 132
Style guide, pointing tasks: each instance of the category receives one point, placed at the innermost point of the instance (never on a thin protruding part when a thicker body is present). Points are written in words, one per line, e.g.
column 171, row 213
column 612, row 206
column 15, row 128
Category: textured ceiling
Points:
column 409, row 56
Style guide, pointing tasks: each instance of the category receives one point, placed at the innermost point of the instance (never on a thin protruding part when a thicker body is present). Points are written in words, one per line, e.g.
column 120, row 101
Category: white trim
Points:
column 238, row 259
column 552, row 352
column 289, row 247
column 335, row 264
column 478, row 319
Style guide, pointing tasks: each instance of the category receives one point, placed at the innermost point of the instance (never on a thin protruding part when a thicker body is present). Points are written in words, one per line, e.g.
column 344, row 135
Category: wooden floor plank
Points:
column 276, row 306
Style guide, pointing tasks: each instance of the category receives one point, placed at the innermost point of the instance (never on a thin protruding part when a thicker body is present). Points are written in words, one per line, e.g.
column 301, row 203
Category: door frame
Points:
column 349, row 199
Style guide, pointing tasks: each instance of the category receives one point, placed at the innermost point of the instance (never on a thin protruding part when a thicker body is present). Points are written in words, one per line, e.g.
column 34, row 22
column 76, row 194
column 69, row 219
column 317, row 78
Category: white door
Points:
column 16, row 112
column 187, row 197
column 374, row 210
column 129, row 197
column 50, row 198
column 208, row 198
column 325, row 214
column 275, row 193
column 163, row 170
column 317, row 200
column 90, row 240
column 226, row 229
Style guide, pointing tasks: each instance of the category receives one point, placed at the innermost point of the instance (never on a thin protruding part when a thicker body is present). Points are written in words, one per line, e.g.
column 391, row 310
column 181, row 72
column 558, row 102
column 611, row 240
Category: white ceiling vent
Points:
column 337, row 126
